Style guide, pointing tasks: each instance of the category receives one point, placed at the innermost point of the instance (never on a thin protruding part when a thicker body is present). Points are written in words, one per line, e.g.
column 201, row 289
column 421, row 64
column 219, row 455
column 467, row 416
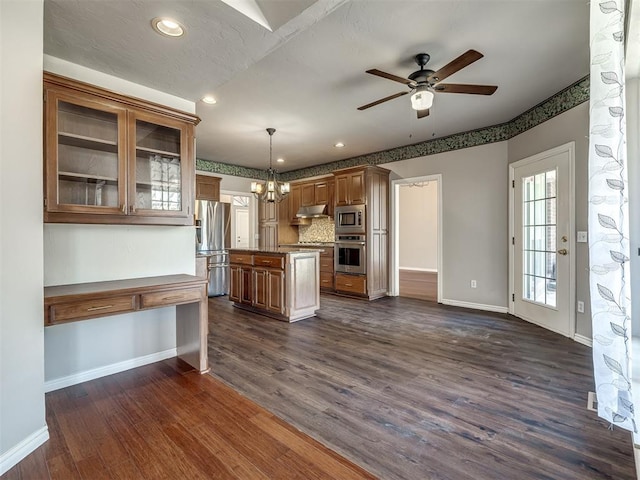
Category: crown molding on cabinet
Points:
column 564, row 100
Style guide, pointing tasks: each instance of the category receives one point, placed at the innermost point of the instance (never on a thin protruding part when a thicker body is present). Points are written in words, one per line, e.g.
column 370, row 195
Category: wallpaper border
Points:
column 564, row 100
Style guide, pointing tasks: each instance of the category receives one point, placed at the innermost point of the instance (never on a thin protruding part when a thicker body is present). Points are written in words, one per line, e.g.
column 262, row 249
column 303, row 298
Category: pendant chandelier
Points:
column 271, row 190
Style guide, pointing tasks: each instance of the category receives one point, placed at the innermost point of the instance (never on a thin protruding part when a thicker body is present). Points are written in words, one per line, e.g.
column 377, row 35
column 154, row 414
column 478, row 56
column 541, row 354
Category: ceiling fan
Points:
column 424, row 82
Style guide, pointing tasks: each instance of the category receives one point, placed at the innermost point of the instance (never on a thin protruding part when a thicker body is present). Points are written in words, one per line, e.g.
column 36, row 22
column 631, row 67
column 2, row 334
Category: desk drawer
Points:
column 170, row 297
column 351, row 283
column 241, row 258
column 268, row 261
column 67, row 312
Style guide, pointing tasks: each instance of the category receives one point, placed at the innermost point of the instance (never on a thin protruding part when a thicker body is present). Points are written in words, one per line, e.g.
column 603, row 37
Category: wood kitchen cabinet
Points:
column 269, row 289
column 307, row 195
column 350, row 187
column 310, row 193
column 367, row 185
column 283, row 284
column 208, row 188
column 295, row 202
column 321, row 193
column 115, row 159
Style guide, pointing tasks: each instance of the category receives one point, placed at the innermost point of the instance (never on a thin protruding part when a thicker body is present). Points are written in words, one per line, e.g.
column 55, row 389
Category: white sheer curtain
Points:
column 608, row 217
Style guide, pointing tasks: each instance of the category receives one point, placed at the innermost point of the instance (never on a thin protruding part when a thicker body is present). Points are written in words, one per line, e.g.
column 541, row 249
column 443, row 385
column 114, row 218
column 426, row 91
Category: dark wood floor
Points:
column 412, row 390
column 166, row 421
column 418, row 284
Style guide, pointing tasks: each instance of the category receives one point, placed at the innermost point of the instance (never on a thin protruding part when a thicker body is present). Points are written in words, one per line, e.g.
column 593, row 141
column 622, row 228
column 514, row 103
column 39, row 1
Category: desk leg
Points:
column 191, row 334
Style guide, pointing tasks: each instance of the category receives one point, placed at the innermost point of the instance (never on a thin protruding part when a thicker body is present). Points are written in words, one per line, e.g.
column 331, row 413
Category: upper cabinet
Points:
column 115, row 159
column 307, row 194
column 350, row 188
column 207, row 188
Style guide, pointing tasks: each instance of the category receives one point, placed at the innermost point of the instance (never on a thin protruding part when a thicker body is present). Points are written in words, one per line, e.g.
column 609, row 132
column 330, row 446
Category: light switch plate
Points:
column 582, row 237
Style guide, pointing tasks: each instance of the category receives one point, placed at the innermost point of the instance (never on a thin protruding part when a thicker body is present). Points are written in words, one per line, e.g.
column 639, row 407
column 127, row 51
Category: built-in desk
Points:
column 188, row 293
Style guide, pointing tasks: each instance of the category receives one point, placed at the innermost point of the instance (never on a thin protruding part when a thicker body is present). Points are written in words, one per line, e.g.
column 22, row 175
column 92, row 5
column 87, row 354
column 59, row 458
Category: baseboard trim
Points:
column 15, row 454
column 62, row 382
column 475, row 306
column 583, row 340
column 411, row 269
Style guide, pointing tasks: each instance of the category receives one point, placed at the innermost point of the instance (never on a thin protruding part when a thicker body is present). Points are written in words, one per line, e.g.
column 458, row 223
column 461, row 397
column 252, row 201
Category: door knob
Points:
column 563, row 251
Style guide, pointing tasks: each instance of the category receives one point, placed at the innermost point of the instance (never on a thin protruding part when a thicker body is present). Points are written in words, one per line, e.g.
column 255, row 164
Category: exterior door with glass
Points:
column 543, row 240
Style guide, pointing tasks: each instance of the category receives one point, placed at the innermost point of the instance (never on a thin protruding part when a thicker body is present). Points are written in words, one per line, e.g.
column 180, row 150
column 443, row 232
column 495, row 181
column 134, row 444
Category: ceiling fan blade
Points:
column 423, row 113
column 385, row 99
column 390, row 76
column 459, row 63
column 464, row 88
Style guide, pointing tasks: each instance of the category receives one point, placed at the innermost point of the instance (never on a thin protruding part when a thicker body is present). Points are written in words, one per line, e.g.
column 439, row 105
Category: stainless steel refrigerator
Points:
column 213, row 237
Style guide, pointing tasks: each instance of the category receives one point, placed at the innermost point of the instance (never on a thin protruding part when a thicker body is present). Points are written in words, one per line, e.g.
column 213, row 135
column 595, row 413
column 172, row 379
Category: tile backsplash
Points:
column 320, row 230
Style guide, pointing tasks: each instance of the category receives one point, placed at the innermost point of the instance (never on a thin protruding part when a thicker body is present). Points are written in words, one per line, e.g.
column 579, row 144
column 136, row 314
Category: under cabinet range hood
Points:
column 314, row 211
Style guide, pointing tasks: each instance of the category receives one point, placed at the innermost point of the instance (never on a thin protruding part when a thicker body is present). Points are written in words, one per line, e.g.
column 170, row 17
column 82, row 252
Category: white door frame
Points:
column 570, row 149
column 394, row 264
column 253, row 215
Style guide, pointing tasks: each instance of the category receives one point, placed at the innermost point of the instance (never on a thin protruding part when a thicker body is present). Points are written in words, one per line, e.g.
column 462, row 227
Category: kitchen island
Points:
column 281, row 283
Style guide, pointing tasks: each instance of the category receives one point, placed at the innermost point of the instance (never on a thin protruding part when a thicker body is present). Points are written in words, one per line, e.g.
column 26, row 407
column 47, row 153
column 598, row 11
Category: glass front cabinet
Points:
column 114, row 159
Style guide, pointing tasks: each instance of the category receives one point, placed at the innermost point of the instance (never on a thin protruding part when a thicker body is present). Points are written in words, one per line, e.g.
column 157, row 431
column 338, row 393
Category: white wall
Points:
column 84, row 253
column 474, row 221
column 418, row 225
column 569, row 126
column 22, row 409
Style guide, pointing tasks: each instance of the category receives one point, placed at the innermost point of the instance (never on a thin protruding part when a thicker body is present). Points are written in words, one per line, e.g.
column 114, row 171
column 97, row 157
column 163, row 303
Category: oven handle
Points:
column 349, row 243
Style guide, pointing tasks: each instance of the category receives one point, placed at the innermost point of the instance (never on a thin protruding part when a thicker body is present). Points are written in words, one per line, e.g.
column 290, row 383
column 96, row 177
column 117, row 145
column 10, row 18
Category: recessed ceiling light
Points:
column 167, row 26
column 209, row 99
column 280, row 160
column 339, row 145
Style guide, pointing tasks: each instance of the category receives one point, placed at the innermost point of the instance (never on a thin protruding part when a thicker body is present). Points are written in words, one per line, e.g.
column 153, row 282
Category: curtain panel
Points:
column 608, row 217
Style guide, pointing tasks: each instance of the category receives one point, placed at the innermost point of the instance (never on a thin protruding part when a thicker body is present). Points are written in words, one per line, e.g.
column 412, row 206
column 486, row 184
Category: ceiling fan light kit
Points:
column 422, row 98
column 271, row 190
column 424, row 83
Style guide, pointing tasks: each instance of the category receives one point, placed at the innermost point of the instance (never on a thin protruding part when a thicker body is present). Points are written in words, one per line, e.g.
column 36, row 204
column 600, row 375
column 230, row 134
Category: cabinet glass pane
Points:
column 87, row 156
column 158, row 167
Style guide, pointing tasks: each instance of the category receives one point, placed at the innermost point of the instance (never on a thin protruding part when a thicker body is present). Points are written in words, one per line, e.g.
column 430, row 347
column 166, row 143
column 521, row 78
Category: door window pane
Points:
column 539, row 238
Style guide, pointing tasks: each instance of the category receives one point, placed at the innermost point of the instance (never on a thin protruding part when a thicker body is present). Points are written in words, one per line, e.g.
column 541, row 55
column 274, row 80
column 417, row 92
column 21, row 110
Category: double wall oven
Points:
column 350, row 246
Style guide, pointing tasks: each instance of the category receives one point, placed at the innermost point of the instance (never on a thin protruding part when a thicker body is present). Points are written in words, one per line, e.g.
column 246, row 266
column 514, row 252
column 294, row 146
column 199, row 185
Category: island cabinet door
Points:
column 235, row 283
column 247, row 286
column 261, row 288
column 276, row 292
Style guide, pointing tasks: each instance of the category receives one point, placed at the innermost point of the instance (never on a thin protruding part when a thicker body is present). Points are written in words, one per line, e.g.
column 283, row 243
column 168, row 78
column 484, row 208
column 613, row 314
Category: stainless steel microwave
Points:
column 350, row 219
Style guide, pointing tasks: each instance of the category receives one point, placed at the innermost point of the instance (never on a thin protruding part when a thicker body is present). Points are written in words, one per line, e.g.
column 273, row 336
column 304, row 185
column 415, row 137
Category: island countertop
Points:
column 280, row 250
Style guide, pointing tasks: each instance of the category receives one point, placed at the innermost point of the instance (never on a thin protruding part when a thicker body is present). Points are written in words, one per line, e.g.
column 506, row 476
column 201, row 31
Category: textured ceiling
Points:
column 307, row 77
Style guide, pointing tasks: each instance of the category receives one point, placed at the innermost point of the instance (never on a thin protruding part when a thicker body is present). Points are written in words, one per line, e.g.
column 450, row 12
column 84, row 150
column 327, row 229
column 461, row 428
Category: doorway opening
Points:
column 241, row 215
column 416, row 238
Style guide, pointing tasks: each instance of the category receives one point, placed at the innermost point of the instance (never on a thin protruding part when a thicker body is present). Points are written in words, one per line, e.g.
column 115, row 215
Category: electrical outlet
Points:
column 582, row 237
column 580, row 306
column 473, row 284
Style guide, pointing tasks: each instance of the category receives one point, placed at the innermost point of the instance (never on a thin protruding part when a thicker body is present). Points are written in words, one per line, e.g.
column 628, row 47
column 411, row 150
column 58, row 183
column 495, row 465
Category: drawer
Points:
column 268, row 261
column 351, row 283
column 241, row 258
column 68, row 312
column 170, row 297
column 326, row 252
column 326, row 265
column 326, row 280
